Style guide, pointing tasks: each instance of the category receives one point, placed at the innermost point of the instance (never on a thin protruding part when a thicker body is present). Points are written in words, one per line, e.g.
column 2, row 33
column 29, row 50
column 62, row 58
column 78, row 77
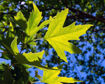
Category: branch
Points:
column 80, row 14
column 83, row 14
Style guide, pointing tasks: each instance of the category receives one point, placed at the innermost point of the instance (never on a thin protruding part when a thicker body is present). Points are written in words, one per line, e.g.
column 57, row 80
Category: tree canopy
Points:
column 22, row 34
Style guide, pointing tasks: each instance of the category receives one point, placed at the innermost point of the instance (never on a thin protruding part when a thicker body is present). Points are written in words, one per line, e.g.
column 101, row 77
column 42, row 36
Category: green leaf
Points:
column 33, row 21
column 33, row 24
column 21, row 20
column 31, row 57
column 11, row 25
column 27, row 58
column 14, row 46
column 58, row 36
column 51, row 77
column 32, row 43
column 27, row 66
column 42, row 25
column 1, row 67
column 10, row 32
column 7, row 76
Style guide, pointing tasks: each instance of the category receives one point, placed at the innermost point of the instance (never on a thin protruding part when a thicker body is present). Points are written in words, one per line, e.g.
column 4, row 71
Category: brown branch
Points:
column 79, row 14
column 83, row 14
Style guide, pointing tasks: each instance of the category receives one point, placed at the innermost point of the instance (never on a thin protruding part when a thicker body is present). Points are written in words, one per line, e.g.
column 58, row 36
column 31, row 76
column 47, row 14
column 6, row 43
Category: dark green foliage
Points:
column 81, row 11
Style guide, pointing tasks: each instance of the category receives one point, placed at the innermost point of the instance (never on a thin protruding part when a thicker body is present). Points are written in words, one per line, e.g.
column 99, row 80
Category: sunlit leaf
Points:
column 51, row 77
column 33, row 21
column 31, row 57
column 58, row 36
column 11, row 25
column 32, row 43
column 14, row 46
column 27, row 58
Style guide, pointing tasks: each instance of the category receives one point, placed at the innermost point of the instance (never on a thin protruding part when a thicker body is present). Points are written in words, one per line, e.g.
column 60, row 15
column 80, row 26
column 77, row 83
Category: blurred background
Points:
column 89, row 66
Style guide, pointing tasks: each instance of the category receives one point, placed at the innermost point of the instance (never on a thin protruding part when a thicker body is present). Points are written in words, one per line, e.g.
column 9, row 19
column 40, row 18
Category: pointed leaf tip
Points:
column 58, row 37
column 31, row 57
column 20, row 19
column 51, row 77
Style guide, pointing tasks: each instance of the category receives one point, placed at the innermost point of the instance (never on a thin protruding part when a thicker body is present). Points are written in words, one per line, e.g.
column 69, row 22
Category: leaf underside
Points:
column 58, row 36
column 51, row 77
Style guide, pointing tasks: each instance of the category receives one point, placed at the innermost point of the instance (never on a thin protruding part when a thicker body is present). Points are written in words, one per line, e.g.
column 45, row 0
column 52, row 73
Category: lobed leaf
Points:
column 26, row 58
column 58, row 36
column 33, row 21
column 21, row 20
column 31, row 27
column 31, row 57
column 51, row 77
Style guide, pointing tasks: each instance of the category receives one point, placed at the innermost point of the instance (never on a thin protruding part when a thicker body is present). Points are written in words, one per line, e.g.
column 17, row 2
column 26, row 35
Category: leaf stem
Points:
column 39, row 39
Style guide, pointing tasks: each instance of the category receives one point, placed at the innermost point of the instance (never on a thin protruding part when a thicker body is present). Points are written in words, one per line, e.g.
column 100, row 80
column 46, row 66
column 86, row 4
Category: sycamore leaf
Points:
column 14, row 46
column 43, row 24
column 26, row 58
column 31, row 57
column 33, row 21
column 51, row 77
column 58, row 37
column 31, row 27
column 33, row 24
column 21, row 20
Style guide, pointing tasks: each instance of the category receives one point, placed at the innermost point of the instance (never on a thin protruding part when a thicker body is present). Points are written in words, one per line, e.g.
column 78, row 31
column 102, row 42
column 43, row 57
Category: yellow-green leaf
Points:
column 32, row 43
column 33, row 24
column 31, row 57
column 43, row 24
column 27, row 58
column 58, row 36
column 33, row 21
column 14, row 46
column 51, row 77
column 11, row 25
column 9, row 33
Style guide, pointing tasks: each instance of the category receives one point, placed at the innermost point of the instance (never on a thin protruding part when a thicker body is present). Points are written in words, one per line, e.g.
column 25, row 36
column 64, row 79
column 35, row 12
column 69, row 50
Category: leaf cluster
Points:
column 22, row 36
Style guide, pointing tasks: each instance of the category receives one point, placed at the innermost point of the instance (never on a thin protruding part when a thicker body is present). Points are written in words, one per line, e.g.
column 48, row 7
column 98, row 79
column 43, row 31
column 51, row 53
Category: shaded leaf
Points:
column 37, row 75
column 21, row 20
